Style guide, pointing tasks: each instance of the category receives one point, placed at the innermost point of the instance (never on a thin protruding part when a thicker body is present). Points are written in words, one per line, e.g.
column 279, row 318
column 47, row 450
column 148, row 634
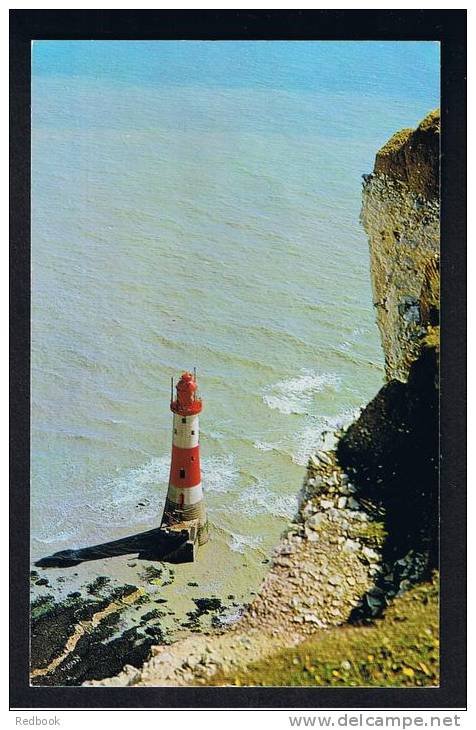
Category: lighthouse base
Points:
column 186, row 552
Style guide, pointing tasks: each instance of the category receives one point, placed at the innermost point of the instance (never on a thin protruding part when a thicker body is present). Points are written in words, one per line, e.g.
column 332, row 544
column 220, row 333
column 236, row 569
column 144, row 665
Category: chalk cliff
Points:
column 392, row 449
column 400, row 214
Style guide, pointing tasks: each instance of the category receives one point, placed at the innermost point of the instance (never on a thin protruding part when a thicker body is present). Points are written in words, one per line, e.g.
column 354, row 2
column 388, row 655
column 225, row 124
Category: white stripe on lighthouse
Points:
column 191, row 495
column 186, row 431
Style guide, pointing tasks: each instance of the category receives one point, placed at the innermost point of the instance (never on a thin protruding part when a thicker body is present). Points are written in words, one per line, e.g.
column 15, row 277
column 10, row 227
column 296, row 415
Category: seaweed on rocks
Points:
column 51, row 628
column 99, row 584
column 41, row 604
column 142, row 600
column 74, row 639
column 204, row 606
column 121, row 592
column 151, row 615
column 156, row 633
column 97, row 657
column 152, row 573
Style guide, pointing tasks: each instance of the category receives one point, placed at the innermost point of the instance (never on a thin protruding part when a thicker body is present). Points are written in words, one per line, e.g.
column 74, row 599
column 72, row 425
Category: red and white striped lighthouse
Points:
column 184, row 503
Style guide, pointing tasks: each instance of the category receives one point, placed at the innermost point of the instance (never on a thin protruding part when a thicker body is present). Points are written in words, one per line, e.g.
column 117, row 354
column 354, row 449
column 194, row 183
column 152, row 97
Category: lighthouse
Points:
column 184, row 506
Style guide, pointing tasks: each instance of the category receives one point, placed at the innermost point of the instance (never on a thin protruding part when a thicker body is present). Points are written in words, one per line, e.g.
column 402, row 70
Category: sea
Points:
column 196, row 204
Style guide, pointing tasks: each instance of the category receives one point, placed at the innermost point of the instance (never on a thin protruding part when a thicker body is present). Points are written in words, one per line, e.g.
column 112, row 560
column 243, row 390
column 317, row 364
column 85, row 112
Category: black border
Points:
column 446, row 26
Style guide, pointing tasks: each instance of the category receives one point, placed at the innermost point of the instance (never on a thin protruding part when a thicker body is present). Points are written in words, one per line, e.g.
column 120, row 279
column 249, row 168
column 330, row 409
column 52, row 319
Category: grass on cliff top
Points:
column 399, row 650
column 431, row 120
column 395, row 143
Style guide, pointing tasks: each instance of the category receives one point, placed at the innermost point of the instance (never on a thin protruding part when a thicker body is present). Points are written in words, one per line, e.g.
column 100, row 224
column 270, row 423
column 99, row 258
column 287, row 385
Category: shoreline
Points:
column 324, row 574
column 211, row 616
column 366, row 530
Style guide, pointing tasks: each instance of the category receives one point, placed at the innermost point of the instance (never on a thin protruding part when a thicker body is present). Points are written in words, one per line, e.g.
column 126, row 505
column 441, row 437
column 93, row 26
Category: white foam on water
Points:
column 239, row 543
column 309, row 438
column 356, row 340
column 265, row 446
column 148, row 483
column 260, row 500
column 45, row 536
column 360, row 331
column 285, row 505
column 118, row 504
column 117, row 501
column 219, row 473
column 296, row 394
column 318, row 433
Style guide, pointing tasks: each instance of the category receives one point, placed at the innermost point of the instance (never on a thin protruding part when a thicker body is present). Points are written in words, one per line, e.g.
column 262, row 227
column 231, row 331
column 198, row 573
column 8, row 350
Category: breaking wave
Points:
column 319, row 433
column 265, row 446
column 239, row 543
column 132, row 498
column 296, row 394
column 260, row 500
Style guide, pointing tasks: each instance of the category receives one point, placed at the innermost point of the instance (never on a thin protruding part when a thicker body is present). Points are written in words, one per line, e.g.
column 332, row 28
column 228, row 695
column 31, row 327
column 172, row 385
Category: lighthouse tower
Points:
column 184, row 506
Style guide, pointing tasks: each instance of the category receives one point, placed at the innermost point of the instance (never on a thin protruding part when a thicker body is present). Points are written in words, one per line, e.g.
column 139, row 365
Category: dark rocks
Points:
column 72, row 640
column 151, row 573
column 205, row 605
column 99, row 584
column 145, row 598
column 151, row 615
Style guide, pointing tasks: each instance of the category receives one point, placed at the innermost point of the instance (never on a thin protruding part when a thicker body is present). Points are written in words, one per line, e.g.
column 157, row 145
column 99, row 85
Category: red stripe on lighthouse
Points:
column 185, row 467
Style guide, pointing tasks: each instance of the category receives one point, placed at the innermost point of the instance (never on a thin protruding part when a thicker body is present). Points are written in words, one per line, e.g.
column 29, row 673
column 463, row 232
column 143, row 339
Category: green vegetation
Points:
column 395, row 143
column 430, row 123
column 372, row 533
column 399, row 650
column 431, row 120
column 432, row 338
column 42, row 605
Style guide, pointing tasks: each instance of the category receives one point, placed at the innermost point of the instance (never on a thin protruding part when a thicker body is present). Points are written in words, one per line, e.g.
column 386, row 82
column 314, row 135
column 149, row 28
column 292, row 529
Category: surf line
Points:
column 84, row 627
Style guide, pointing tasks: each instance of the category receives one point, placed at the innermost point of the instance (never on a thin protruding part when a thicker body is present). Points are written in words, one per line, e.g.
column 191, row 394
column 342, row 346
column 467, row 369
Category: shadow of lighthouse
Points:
column 156, row 544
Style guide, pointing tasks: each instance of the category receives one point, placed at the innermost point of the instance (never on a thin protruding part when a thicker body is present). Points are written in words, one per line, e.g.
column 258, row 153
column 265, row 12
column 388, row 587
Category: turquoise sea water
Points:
column 197, row 204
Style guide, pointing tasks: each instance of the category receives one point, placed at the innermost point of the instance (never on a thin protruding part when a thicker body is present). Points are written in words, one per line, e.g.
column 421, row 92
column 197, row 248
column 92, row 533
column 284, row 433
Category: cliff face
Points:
column 400, row 214
column 392, row 449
